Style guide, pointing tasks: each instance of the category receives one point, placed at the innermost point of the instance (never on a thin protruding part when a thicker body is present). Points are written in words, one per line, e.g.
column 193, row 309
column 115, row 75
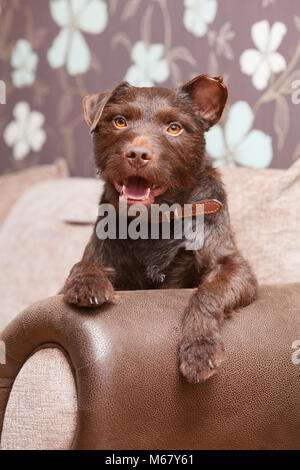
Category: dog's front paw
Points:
column 200, row 357
column 87, row 287
column 89, row 293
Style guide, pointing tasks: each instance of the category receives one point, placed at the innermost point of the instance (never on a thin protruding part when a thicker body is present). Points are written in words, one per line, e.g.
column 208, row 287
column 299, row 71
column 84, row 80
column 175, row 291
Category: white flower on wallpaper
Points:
column 266, row 3
column 237, row 143
column 149, row 65
column 70, row 47
column 24, row 60
column 261, row 62
column 198, row 14
column 25, row 133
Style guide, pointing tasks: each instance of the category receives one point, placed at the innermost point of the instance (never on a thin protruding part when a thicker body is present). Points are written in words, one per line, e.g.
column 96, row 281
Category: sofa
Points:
column 108, row 378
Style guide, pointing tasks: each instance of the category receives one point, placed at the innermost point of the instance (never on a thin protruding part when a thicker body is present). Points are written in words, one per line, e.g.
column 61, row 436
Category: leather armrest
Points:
column 130, row 394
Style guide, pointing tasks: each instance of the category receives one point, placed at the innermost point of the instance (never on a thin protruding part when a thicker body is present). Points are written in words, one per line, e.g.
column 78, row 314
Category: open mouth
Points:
column 138, row 190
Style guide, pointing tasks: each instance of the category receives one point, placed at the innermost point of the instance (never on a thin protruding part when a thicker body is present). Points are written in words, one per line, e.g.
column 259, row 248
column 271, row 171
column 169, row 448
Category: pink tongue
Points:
column 136, row 187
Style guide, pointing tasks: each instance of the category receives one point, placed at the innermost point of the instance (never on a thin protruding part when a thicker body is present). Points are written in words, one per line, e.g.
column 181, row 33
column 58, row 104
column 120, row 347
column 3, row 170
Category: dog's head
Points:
column 149, row 142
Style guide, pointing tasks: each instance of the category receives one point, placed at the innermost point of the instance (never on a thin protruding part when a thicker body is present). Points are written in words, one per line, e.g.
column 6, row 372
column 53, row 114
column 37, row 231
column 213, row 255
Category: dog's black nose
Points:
column 138, row 156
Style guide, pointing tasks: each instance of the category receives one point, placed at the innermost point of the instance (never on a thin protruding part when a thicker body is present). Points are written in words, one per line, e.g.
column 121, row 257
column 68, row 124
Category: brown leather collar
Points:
column 210, row 206
column 201, row 207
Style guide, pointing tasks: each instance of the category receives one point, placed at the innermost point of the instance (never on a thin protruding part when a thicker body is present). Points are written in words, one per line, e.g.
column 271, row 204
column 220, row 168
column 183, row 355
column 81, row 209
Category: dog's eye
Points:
column 174, row 128
column 120, row 121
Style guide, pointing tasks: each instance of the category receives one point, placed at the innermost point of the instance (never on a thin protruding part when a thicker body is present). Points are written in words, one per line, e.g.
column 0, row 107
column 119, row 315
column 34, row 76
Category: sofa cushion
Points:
column 42, row 408
column 13, row 185
column 265, row 212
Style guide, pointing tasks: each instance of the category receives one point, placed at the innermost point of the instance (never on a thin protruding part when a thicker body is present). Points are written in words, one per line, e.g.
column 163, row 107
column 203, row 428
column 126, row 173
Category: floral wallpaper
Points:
column 54, row 52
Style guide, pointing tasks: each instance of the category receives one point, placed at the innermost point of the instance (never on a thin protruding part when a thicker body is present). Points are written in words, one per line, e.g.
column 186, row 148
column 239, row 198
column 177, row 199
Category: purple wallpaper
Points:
column 54, row 52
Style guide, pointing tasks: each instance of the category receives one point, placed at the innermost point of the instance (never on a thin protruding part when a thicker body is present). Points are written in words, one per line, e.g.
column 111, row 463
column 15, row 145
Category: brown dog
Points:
column 149, row 146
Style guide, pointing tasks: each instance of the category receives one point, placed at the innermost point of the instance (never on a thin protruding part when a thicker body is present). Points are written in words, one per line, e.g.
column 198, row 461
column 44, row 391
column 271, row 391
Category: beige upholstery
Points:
column 265, row 212
column 14, row 185
column 42, row 408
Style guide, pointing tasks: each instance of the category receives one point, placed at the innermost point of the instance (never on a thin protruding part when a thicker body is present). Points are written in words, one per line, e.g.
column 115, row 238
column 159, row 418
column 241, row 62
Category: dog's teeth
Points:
column 123, row 196
column 147, row 194
column 154, row 186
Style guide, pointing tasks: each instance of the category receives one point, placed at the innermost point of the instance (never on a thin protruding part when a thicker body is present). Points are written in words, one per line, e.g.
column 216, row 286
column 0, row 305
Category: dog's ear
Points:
column 209, row 96
column 93, row 106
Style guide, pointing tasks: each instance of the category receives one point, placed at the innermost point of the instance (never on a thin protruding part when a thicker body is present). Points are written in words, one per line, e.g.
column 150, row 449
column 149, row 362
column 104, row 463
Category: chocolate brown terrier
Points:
column 149, row 146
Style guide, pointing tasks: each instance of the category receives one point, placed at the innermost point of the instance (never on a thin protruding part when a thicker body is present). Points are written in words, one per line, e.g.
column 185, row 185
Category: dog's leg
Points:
column 87, row 284
column 228, row 285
